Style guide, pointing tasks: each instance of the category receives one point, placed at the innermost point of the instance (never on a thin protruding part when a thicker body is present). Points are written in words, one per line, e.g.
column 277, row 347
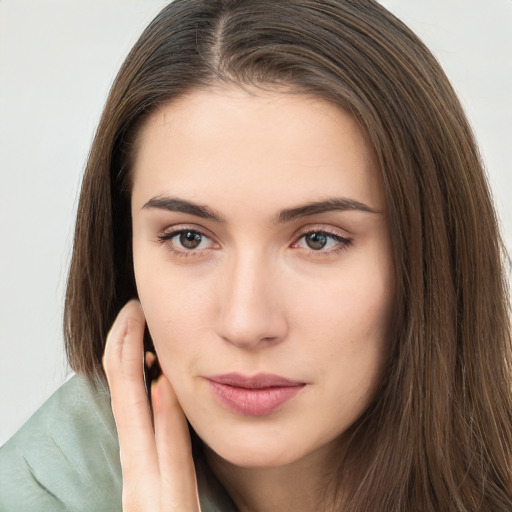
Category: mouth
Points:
column 256, row 395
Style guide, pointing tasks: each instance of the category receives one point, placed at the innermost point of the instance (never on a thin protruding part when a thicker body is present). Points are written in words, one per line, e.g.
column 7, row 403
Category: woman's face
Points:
column 263, row 265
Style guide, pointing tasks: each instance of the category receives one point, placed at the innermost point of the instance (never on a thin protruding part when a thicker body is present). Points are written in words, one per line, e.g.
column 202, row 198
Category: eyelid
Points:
column 342, row 237
column 169, row 231
column 322, row 228
column 167, row 234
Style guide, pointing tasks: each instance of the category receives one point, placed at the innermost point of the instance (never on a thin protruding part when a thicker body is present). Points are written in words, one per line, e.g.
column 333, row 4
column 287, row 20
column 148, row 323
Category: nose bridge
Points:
column 250, row 310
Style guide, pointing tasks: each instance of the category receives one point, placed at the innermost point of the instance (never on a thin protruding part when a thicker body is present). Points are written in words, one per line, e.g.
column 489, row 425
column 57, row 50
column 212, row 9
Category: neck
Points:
column 305, row 485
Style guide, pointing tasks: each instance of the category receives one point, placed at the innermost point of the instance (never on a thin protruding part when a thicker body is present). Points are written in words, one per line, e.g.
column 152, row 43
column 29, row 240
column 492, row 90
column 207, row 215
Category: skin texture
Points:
column 254, row 296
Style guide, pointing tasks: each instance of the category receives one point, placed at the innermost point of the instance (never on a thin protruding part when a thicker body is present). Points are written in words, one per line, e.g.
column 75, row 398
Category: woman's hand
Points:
column 156, row 453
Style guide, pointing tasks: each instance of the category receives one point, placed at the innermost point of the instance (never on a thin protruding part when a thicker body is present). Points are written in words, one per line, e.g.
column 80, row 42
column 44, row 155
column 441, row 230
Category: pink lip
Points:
column 257, row 395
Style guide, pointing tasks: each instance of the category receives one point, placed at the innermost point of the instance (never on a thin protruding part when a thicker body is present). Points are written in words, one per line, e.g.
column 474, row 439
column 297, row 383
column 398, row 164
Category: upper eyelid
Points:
column 342, row 233
column 174, row 230
column 340, row 239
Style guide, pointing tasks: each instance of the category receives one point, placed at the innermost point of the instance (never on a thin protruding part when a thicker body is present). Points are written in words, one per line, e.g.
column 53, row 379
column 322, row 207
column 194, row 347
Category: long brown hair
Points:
column 438, row 436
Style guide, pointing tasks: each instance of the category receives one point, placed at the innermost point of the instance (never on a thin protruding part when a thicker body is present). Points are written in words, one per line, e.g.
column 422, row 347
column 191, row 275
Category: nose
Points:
column 251, row 305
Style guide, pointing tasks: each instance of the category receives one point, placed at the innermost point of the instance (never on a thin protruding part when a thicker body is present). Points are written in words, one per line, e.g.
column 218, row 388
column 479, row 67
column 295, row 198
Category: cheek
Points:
column 176, row 310
column 349, row 355
column 356, row 302
column 345, row 328
column 349, row 340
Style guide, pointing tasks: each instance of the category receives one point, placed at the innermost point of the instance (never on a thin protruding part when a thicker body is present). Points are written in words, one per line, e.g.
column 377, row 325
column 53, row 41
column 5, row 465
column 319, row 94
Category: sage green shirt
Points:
column 66, row 458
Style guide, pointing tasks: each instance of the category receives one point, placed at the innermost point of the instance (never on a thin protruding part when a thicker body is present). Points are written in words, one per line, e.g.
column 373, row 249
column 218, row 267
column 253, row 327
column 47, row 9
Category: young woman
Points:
column 285, row 210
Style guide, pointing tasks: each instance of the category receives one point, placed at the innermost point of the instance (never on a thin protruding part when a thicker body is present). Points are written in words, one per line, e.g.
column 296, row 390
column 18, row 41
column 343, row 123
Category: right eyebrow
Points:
column 173, row 204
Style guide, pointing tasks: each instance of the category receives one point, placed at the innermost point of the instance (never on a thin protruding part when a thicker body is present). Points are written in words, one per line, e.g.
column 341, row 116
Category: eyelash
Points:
column 167, row 236
column 342, row 242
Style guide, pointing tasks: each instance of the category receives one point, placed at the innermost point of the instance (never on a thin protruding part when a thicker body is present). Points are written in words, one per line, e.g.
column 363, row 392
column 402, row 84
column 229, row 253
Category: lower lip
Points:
column 253, row 401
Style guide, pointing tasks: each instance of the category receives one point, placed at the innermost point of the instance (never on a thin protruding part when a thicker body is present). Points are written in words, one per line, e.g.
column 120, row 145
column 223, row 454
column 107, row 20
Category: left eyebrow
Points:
column 333, row 204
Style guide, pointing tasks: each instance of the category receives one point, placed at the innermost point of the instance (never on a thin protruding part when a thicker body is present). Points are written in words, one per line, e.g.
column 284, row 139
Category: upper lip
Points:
column 258, row 381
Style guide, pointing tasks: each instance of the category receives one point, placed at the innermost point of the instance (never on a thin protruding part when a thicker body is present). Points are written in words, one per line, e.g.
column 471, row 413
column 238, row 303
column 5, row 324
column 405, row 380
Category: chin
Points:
column 243, row 457
column 263, row 450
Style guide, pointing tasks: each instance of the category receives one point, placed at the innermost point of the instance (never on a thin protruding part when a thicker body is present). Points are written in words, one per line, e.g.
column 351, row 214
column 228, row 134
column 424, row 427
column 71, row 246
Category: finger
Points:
column 124, row 369
column 177, row 473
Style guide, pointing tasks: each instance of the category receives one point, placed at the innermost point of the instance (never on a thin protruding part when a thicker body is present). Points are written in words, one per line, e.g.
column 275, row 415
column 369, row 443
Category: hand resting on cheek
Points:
column 155, row 448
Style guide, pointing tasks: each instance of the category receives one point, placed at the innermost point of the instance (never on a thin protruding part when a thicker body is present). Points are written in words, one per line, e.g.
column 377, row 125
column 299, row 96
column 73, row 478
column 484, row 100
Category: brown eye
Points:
column 322, row 242
column 186, row 241
column 315, row 241
column 190, row 239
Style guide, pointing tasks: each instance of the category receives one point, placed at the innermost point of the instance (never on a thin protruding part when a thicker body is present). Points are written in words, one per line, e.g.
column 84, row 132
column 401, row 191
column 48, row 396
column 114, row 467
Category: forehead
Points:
column 226, row 142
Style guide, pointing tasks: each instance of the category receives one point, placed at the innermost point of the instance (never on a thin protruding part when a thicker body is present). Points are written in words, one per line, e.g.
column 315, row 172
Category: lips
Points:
column 256, row 395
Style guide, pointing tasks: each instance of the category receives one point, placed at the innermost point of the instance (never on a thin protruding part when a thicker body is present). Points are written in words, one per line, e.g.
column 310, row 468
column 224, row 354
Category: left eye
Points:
column 188, row 240
column 319, row 240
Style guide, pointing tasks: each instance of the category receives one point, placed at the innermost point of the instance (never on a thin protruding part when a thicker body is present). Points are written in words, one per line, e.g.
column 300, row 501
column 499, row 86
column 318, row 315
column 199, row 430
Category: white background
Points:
column 57, row 61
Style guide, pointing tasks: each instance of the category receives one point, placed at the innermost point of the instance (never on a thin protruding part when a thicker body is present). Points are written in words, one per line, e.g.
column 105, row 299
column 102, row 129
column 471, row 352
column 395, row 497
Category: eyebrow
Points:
column 174, row 204
column 329, row 205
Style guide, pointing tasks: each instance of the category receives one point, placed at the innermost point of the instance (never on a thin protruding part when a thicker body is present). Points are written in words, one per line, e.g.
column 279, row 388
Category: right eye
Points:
column 185, row 241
